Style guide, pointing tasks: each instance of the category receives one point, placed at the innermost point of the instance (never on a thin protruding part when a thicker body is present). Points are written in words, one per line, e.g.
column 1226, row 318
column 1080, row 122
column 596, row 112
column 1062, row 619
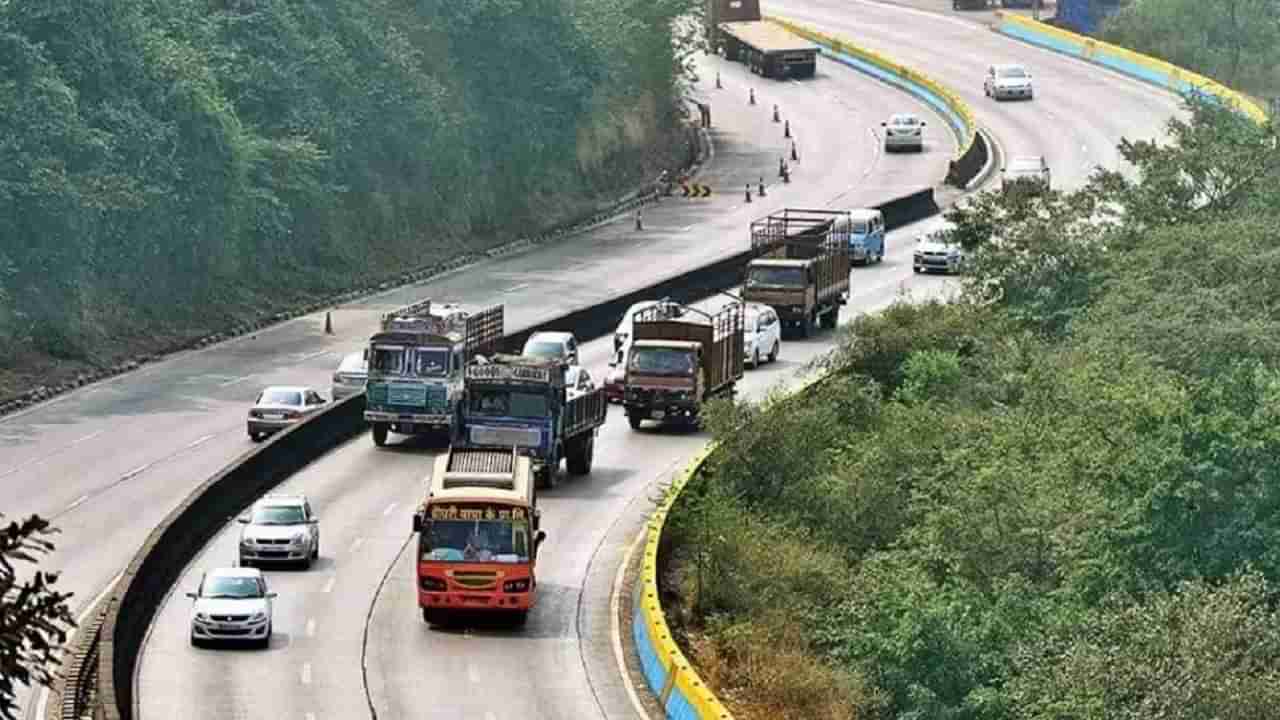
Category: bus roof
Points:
column 482, row 475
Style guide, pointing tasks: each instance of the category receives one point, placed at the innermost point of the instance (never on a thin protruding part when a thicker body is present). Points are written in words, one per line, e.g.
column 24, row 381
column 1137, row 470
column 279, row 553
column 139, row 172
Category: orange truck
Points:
column 478, row 535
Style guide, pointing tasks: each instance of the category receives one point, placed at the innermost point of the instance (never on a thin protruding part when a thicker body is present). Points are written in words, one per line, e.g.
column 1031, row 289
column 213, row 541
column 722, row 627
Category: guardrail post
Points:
column 775, row 113
column 718, row 85
column 639, row 220
column 786, row 129
column 762, row 187
column 751, row 97
column 748, row 192
column 795, row 154
column 328, row 324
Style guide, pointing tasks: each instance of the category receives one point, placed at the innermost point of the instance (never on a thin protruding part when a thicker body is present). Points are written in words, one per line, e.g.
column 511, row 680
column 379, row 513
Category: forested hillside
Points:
column 1058, row 501
column 168, row 166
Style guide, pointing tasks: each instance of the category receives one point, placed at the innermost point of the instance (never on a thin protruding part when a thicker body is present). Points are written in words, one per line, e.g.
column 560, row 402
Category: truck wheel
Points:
column 432, row 616
column 831, row 319
column 379, row 434
column 581, row 455
column 634, row 419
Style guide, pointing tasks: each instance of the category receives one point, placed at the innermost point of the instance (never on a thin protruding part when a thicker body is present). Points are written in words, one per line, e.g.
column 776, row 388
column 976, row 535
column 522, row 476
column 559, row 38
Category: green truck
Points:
column 416, row 364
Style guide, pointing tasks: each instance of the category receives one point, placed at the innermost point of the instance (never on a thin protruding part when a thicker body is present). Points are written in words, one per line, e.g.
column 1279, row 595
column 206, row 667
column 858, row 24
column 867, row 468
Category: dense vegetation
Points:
column 1236, row 42
column 1055, row 499
column 167, row 165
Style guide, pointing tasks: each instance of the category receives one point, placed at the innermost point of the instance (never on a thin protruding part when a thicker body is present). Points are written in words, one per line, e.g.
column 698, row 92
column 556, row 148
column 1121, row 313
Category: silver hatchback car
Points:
column 281, row 406
column 280, row 528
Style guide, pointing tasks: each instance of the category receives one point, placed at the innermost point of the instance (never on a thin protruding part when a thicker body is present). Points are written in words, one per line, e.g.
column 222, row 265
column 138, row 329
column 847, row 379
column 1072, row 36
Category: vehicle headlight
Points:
column 299, row 536
column 246, row 541
column 201, row 617
column 337, row 378
column 259, row 616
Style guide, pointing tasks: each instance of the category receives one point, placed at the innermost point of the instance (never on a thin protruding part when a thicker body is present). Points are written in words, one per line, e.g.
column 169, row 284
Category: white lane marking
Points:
column 311, row 716
column 328, row 586
column 686, row 228
column 200, row 441
column 390, row 509
column 42, row 458
column 306, row 673
column 615, row 623
column 312, row 356
column 136, row 471
column 234, row 381
column 473, row 672
column 43, row 702
column 514, row 288
column 311, row 628
column 488, row 715
column 356, row 544
column 80, row 500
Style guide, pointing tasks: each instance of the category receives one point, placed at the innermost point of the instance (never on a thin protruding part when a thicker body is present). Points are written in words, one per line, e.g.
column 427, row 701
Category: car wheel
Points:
column 195, row 641
column 773, row 354
column 255, row 436
column 755, row 358
column 245, row 563
column 315, row 550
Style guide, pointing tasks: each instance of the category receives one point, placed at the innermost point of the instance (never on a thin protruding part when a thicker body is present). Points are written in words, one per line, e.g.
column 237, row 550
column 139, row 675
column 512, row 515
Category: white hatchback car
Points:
column 761, row 334
column 280, row 528
column 1007, row 80
column 904, row 131
column 232, row 604
column 937, row 251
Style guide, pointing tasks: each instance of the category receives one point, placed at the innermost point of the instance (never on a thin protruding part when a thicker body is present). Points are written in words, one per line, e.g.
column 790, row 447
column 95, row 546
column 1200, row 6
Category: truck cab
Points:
column 675, row 365
column 416, row 365
column 478, row 536
column 514, row 401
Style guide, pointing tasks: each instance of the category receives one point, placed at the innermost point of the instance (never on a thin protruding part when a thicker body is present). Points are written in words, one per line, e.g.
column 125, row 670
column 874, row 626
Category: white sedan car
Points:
column 232, row 604
column 761, row 334
column 281, row 406
column 904, row 131
column 1008, row 80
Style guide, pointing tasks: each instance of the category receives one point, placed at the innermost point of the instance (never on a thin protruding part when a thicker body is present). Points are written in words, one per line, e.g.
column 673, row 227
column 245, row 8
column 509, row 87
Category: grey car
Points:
column 280, row 406
column 1028, row 173
column 280, row 528
column 552, row 345
column 351, row 375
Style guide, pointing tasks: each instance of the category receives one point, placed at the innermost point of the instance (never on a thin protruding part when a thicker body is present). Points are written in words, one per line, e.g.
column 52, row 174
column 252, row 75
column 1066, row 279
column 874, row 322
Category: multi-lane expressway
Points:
column 110, row 461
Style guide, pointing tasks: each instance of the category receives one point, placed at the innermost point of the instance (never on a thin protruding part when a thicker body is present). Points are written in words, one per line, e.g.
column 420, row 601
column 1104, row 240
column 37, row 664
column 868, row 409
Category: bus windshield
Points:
column 498, row 541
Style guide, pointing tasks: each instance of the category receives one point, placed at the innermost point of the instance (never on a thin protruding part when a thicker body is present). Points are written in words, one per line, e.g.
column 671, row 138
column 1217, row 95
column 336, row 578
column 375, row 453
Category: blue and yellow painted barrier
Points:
column 1127, row 62
column 970, row 153
column 669, row 674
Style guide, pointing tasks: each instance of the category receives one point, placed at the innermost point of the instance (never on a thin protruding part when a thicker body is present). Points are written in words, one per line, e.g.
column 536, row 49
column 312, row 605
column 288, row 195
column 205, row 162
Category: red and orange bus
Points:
column 478, row 535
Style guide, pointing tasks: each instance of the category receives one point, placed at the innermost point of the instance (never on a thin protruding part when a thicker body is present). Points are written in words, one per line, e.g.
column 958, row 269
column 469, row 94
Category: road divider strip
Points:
column 1126, row 62
column 971, row 151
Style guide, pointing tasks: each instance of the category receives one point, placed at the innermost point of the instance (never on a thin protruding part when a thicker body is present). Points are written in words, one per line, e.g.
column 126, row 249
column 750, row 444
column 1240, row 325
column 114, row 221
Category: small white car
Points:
column 1028, row 173
column 280, row 528
column 937, row 251
column 351, row 375
column 279, row 407
column 1008, row 80
column 232, row 604
column 904, row 131
column 761, row 334
column 561, row 346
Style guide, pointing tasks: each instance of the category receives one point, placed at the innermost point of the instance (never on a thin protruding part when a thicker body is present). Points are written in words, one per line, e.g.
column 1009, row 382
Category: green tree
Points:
column 34, row 617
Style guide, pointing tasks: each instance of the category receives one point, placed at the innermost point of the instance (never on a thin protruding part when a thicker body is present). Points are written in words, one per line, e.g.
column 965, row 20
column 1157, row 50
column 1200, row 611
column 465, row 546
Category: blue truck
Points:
column 514, row 401
column 416, row 366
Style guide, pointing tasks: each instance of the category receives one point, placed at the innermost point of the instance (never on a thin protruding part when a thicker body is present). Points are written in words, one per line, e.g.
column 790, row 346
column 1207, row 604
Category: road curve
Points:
column 560, row 665
column 108, row 462
column 1080, row 111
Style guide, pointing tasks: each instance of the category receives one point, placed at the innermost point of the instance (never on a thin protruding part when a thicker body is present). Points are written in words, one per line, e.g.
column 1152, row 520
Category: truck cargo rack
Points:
column 800, row 227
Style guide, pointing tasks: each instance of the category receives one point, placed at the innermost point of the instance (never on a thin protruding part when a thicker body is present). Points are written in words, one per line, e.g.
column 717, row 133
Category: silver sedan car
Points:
column 904, row 131
column 281, row 406
column 351, row 375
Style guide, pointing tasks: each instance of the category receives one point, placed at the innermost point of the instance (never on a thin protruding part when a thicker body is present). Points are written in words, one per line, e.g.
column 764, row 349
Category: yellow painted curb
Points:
column 908, row 74
column 1092, row 47
column 681, row 673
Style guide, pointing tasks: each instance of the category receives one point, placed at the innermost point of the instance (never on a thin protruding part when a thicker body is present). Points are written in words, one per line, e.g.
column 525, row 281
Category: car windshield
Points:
column 1025, row 166
column 904, row 120
column 662, row 361
column 387, row 360
column 544, row 348
column 280, row 397
column 501, row 541
column 277, row 515
column 230, row 587
column 430, row 361
column 776, row 276
column 858, row 226
column 499, row 402
column 1011, row 72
